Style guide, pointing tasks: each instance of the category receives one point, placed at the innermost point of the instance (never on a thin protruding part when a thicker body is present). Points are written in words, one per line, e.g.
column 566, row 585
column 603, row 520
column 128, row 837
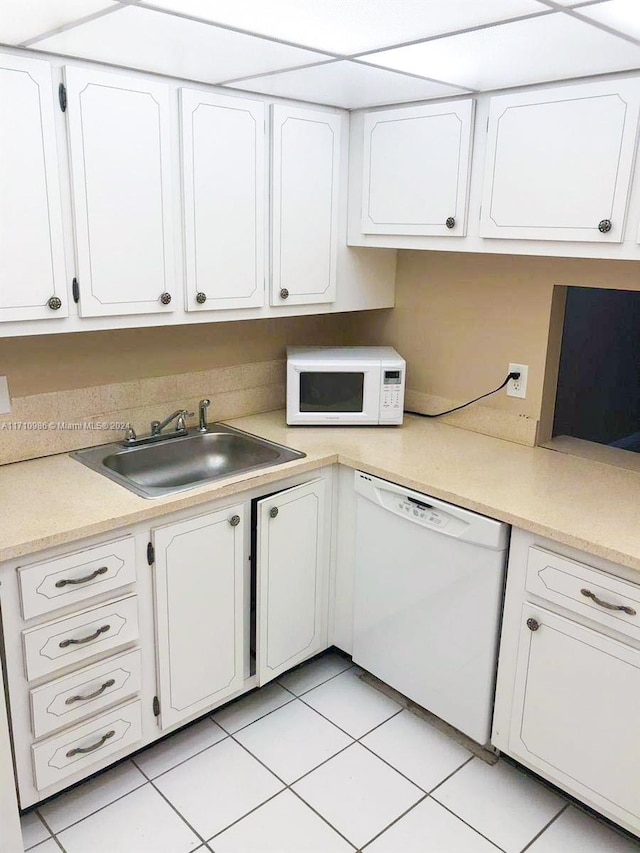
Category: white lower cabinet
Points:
column 194, row 621
column 292, row 578
column 67, row 700
column 81, row 747
column 576, row 705
column 199, row 602
column 568, row 689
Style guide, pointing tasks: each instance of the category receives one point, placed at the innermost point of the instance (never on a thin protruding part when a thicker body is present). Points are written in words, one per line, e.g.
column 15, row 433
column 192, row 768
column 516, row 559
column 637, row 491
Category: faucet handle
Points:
column 130, row 436
column 185, row 413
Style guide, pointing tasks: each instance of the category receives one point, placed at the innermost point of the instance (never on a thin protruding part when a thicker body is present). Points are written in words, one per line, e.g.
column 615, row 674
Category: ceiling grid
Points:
column 345, row 53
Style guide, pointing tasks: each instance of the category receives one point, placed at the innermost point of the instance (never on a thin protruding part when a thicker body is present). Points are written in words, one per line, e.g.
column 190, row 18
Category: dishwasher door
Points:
column 428, row 601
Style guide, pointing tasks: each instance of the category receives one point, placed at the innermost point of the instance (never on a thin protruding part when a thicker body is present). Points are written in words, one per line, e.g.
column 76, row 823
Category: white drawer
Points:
column 74, row 697
column 593, row 594
column 77, row 749
column 74, row 577
column 91, row 632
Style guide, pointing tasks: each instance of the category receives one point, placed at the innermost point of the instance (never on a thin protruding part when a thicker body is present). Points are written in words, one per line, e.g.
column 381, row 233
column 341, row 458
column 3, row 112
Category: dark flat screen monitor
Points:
column 598, row 395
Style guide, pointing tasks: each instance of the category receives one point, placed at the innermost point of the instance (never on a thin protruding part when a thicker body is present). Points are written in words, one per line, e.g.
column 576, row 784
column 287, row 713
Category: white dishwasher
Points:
column 428, row 600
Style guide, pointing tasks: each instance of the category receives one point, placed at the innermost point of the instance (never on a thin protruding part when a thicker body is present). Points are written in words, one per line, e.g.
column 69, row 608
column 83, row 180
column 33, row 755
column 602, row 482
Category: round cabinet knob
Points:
column 284, row 293
column 234, row 521
column 533, row 624
column 54, row 302
column 273, row 511
column 201, row 298
column 604, row 226
column 450, row 222
column 165, row 298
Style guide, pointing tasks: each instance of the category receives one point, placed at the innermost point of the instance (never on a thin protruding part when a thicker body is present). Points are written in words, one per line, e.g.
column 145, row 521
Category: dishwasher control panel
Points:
column 432, row 513
column 423, row 512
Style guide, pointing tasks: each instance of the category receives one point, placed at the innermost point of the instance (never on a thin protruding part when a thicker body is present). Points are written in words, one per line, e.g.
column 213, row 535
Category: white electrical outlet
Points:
column 5, row 400
column 518, row 387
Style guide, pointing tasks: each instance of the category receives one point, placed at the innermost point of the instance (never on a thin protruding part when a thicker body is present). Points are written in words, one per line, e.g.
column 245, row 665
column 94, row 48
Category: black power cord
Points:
column 514, row 375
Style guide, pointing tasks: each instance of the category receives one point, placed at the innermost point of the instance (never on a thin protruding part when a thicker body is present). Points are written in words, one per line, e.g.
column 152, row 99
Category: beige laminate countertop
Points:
column 579, row 502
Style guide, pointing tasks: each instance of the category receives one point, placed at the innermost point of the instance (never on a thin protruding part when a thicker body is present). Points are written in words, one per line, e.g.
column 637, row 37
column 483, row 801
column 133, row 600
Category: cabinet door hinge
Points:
column 75, row 290
column 151, row 554
column 62, row 97
column 156, row 706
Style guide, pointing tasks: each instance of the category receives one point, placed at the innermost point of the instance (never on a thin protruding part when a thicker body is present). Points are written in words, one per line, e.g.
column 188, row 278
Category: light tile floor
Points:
column 320, row 762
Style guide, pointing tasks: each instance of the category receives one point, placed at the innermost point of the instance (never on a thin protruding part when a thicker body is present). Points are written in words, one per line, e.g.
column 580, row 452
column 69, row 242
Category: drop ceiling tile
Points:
column 347, row 84
column 21, row 20
column 622, row 15
column 351, row 26
column 153, row 41
column 537, row 50
column 569, row 3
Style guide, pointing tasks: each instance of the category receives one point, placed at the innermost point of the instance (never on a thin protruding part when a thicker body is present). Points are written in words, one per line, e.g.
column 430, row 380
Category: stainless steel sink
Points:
column 176, row 464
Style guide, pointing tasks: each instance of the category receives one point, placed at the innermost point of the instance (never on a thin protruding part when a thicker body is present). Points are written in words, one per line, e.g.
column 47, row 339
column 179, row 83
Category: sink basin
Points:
column 176, row 464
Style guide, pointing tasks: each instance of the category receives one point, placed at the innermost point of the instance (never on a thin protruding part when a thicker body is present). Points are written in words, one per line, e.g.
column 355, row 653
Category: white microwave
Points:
column 345, row 386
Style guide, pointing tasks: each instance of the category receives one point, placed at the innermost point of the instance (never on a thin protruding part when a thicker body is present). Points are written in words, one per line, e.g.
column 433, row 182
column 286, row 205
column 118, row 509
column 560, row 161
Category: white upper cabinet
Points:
column 416, row 169
column 292, row 572
column 32, row 266
column 559, row 162
column 305, row 198
column 199, row 598
column 121, row 182
column 224, row 195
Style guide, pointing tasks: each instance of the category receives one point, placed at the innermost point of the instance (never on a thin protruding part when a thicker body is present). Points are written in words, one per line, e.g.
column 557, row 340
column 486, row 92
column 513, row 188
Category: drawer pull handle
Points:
column 85, row 579
column 93, row 695
column 80, row 750
column 101, row 630
column 625, row 609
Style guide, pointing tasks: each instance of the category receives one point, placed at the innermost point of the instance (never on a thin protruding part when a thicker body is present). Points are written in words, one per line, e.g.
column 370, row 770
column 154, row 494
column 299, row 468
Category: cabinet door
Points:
column 576, row 708
column 416, row 169
column 305, row 198
column 559, row 162
column 121, row 184
column 292, row 585
column 224, row 200
column 32, row 268
column 199, row 612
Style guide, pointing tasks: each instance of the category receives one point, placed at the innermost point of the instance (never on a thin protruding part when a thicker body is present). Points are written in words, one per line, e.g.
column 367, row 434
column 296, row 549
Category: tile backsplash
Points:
column 45, row 424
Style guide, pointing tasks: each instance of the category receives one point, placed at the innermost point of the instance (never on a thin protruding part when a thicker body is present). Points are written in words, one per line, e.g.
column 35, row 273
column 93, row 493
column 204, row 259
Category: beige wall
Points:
column 45, row 363
column 461, row 318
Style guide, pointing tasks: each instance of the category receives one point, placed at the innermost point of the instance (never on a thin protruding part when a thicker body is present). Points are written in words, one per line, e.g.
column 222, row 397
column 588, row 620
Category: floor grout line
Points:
column 320, row 684
column 75, row 822
column 183, row 761
column 181, row 816
column 323, row 818
column 207, row 844
column 466, row 823
column 266, row 714
column 399, row 772
column 545, row 828
column 150, row 781
column 288, row 786
column 400, row 816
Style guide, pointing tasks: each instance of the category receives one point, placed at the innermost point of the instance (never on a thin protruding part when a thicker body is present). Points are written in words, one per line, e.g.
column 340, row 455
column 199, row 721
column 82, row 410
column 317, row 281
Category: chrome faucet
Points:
column 177, row 416
column 203, row 405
